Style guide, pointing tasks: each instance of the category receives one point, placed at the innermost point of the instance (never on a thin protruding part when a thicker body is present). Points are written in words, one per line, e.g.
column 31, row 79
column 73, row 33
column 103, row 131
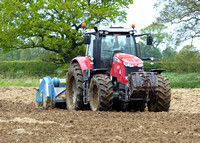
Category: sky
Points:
column 142, row 14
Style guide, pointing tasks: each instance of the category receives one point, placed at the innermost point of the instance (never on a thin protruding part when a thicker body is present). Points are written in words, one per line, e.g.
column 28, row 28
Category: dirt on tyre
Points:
column 101, row 93
column 74, row 88
column 163, row 96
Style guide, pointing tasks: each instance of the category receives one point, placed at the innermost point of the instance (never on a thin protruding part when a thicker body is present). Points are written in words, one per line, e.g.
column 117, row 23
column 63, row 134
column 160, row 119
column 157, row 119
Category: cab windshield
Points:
column 115, row 43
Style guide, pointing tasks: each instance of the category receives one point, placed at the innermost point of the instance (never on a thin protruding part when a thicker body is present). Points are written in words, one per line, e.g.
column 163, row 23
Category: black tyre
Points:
column 163, row 96
column 74, row 88
column 101, row 93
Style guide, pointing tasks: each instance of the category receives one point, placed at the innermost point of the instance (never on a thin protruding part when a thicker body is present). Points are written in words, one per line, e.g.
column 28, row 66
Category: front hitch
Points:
column 143, row 84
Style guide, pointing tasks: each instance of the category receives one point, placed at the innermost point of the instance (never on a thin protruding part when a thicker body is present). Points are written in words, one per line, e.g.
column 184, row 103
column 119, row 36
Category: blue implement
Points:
column 49, row 91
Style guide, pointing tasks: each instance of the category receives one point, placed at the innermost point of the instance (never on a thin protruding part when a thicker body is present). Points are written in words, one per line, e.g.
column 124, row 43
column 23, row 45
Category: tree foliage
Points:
column 185, row 14
column 160, row 38
column 169, row 54
column 11, row 55
column 168, row 59
column 55, row 25
column 27, row 55
column 187, row 59
column 36, row 54
column 149, row 51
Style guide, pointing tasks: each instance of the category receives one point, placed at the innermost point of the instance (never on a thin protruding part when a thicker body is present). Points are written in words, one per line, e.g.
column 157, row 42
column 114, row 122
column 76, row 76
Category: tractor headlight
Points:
column 91, row 60
column 128, row 65
column 140, row 65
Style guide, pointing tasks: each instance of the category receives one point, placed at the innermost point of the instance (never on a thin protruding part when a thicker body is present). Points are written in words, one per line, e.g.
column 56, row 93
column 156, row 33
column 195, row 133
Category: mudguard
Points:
column 84, row 62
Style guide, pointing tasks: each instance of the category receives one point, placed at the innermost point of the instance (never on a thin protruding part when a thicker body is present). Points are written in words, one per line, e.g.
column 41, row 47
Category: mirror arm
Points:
column 139, row 35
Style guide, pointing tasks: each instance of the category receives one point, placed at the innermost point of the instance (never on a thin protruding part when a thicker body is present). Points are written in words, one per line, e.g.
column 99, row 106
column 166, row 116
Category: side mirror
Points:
column 87, row 39
column 149, row 40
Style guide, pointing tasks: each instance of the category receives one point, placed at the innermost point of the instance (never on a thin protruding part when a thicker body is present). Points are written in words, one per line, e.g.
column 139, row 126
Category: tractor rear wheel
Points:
column 163, row 96
column 101, row 93
column 74, row 88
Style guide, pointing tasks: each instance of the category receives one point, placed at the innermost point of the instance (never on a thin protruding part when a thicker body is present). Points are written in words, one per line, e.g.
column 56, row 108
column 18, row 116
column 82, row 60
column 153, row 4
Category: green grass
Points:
column 184, row 80
column 21, row 81
column 177, row 80
column 29, row 81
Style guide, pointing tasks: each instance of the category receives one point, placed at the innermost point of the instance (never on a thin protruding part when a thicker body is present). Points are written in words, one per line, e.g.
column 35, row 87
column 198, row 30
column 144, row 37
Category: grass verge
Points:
column 29, row 81
column 184, row 80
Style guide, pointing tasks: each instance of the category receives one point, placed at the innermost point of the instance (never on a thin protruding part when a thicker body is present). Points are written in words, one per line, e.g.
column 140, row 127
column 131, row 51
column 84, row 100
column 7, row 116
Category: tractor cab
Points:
column 104, row 43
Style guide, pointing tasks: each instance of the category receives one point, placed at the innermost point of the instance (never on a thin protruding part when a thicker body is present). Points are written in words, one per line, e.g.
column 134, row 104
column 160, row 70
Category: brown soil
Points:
column 20, row 121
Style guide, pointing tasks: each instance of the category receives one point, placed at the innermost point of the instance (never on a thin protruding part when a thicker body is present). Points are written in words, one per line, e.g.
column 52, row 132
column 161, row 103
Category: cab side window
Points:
column 90, row 47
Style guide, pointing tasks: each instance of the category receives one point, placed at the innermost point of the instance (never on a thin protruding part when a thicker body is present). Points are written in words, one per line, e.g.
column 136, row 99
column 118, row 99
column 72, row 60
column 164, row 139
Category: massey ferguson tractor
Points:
column 111, row 76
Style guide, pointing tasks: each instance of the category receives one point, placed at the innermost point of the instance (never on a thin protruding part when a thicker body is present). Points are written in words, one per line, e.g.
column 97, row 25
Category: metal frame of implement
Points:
column 49, row 92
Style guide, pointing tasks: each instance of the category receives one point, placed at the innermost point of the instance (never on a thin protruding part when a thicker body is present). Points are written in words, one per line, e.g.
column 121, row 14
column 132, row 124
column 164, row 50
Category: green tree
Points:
column 55, row 25
column 169, row 54
column 184, row 14
column 11, row 55
column 149, row 51
column 168, row 59
column 160, row 36
column 187, row 59
column 36, row 54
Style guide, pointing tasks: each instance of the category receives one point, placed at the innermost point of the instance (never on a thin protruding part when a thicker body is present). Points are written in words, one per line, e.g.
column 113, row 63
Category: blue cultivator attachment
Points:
column 50, row 92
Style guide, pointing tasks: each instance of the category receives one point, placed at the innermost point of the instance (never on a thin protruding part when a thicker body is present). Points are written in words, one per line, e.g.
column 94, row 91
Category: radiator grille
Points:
column 132, row 69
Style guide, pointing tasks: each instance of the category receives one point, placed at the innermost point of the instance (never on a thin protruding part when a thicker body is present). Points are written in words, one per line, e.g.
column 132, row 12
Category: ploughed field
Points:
column 20, row 121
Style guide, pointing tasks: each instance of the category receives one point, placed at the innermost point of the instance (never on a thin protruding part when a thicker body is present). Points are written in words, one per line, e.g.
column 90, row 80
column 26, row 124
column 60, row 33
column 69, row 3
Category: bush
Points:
column 156, row 65
column 173, row 66
column 187, row 59
column 29, row 68
column 38, row 68
column 169, row 66
column 61, row 71
column 181, row 67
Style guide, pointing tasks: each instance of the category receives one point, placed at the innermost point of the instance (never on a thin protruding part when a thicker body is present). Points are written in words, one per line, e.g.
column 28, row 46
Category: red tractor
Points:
column 112, row 76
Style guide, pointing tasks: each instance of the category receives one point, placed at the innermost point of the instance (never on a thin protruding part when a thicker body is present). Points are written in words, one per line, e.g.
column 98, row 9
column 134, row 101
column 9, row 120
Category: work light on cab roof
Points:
column 83, row 25
column 133, row 26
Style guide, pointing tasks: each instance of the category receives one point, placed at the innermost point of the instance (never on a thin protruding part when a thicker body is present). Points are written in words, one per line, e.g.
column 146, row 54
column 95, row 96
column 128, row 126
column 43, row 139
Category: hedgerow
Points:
column 27, row 68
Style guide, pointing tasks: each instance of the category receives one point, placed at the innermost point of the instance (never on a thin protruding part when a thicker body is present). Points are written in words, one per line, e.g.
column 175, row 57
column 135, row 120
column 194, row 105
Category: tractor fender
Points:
column 84, row 62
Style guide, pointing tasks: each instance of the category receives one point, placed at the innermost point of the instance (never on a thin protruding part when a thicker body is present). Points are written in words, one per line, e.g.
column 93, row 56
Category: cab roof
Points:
column 118, row 29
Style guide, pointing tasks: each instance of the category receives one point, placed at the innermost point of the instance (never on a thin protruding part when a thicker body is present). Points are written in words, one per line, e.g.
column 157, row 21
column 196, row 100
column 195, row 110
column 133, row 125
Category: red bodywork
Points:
column 84, row 62
column 118, row 68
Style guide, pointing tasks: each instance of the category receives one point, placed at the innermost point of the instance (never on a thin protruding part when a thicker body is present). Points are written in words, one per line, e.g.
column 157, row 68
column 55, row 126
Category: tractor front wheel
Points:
column 74, row 88
column 101, row 93
column 163, row 96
